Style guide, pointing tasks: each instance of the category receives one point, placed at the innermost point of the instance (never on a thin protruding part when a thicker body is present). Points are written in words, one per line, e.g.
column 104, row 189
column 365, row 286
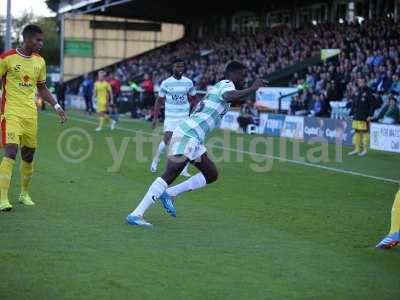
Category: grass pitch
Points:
column 294, row 232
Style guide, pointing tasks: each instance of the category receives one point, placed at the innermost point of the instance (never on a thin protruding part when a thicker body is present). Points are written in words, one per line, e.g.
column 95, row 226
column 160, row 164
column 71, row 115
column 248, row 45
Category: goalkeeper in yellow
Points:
column 393, row 238
column 23, row 73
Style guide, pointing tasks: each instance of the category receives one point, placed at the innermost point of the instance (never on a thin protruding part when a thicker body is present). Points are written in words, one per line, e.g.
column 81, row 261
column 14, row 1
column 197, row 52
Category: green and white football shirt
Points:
column 176, row 91
column 209, row 112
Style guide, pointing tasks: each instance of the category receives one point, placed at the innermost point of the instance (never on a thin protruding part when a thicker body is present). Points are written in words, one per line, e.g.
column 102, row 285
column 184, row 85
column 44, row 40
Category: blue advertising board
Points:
column 271, row 124
column 282, row 125
column 328, row 129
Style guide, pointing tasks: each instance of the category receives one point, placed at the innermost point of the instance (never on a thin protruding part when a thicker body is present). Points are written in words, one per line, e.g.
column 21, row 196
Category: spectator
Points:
column 87, row 91
column 319, row 106
column 395, row 84
column 383, row 83
column 320, row 85
column 249, row 114
column 298, row 107
column 135, row 88
column 147, row 94
column 115, row 84
column 116, row 89
column 60, row 89
column 362, row 112
column 390, row 113
column 370, row 50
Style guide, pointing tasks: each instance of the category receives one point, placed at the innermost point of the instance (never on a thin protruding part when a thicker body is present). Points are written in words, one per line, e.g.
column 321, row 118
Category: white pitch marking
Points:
column 349, row 172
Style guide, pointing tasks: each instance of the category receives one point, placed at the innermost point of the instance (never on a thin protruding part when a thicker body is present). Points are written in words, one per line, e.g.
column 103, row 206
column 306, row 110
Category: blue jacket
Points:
column 87, row 87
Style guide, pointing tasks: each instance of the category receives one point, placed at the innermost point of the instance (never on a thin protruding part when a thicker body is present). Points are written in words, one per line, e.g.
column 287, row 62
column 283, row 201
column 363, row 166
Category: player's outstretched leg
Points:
column 175, row 166
column 160, row 150
column 393, row 238
column 208, row 174
column 156, row 159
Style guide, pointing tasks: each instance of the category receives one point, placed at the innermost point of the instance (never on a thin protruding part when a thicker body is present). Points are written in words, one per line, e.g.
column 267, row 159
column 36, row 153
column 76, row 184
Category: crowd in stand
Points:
column 370, row 50
column 263, row 53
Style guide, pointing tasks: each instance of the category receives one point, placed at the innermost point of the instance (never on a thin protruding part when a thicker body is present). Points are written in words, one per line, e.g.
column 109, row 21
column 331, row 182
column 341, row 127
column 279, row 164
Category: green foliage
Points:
column 2, row 32
column 51, row 48
column 53, row 4
column 18, row 25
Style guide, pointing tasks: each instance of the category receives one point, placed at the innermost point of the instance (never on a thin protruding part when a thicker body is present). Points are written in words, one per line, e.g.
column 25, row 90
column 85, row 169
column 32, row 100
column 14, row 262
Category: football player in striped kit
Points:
column 187, row 144
column 179, row 96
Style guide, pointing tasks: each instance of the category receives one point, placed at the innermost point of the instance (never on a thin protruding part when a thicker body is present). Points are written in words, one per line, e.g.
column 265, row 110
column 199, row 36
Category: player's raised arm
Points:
column 233, row 95
column 45, row 94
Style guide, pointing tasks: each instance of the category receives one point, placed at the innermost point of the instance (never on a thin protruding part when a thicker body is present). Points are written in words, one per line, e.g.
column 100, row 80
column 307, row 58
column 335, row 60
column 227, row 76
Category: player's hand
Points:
column 61, row 113
column 257, row 84
column 369, row 119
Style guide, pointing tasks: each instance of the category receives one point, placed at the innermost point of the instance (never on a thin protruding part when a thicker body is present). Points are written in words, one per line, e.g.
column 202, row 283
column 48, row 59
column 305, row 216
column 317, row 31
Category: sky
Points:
column 38, row 7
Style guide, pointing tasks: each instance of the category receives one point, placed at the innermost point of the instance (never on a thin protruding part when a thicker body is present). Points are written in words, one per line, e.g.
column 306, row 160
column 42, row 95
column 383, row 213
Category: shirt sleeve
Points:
column 42, row 74
column 162, row 92
column 227, row 87
column 3, row 67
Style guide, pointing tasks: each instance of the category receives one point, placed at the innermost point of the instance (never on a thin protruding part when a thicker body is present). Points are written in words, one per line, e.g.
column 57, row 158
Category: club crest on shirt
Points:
column 26, row 81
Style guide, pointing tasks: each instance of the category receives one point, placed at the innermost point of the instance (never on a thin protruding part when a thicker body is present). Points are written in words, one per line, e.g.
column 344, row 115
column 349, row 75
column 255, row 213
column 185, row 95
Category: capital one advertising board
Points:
column 332, row 131
column 282, row 126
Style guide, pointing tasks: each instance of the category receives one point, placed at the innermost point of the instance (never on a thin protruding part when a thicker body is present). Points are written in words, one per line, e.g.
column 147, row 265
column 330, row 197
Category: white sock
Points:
column 160, row 150
column 186, row 168
column 156, row 189
column 193, row 183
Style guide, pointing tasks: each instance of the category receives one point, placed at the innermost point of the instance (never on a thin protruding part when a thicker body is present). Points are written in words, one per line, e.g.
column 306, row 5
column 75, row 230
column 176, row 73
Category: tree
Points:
column 51, row 48
column 53, row 4
column 18, row 25
column 2, row 32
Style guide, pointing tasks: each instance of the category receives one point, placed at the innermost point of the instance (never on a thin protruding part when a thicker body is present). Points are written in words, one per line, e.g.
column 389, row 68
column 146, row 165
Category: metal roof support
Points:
column 92, row 8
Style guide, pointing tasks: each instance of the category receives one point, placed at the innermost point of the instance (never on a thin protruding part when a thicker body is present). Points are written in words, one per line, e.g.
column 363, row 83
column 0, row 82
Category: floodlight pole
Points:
column 7, row 42
column 350, row 15
column 62, row 27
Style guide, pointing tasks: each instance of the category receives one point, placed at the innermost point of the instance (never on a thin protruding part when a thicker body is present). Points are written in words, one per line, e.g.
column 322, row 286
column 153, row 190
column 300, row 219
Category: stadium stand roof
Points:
column 177, row 11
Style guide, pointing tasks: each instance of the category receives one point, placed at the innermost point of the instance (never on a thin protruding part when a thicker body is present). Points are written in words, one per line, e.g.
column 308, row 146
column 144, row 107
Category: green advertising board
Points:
column 79, row 48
